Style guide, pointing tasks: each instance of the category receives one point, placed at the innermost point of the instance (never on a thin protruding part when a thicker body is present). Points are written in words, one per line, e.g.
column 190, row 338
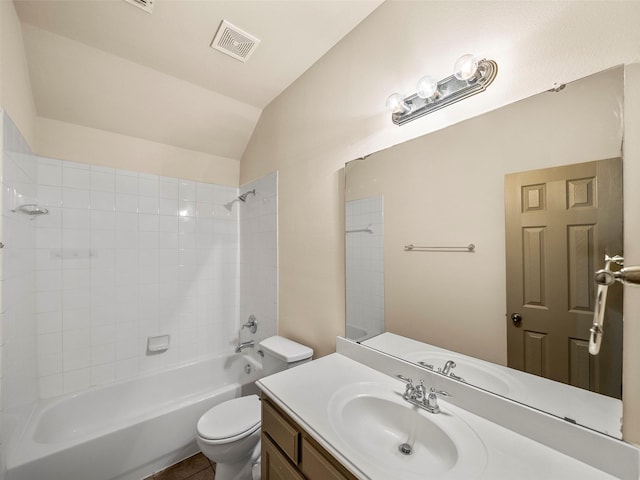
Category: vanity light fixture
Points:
column 471, row 76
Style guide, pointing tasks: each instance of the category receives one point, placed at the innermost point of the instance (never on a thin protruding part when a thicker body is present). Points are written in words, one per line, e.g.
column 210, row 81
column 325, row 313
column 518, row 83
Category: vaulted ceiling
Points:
column 106, row 64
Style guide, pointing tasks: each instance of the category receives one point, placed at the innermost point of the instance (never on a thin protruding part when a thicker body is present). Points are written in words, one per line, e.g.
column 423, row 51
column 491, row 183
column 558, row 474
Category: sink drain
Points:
column 405, row 449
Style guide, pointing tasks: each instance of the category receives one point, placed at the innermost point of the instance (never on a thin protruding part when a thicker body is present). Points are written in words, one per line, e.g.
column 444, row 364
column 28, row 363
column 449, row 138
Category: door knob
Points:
column 516, row 318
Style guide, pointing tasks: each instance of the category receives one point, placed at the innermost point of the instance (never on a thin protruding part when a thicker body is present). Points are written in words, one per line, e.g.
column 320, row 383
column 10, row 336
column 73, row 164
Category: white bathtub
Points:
column 126, row 430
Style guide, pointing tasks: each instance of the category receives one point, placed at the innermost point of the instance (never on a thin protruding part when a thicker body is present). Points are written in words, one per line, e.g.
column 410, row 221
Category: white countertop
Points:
column 305, row 392
column 587, row 408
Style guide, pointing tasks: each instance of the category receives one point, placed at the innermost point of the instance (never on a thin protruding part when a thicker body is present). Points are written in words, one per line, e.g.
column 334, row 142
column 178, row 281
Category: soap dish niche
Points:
column 157, row 344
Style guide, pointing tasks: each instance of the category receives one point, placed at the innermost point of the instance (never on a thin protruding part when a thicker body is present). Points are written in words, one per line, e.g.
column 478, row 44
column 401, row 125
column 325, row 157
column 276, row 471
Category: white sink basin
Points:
column 473, row 372
column 375, row 421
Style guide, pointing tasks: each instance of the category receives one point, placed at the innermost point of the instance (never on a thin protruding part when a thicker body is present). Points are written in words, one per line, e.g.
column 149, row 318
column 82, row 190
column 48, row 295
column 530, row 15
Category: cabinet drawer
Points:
column 282, row 432
column 317, row 466
column 274, row 465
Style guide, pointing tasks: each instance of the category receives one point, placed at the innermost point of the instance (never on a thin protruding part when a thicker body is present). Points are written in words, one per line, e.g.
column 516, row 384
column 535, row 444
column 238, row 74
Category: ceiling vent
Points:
column 146, row 5
column 234, row 42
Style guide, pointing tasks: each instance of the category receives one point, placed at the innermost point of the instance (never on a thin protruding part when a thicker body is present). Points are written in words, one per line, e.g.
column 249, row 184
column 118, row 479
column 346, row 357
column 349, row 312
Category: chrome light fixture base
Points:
column 450, row 90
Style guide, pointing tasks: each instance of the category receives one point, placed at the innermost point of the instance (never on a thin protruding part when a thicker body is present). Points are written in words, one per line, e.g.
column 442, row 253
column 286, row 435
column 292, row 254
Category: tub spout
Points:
column 243, row 345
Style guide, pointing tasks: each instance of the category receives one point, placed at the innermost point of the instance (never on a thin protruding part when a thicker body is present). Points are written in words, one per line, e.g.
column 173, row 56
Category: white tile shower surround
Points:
column 124, row 255
column 18, row 278
column 121, row 256
column 259, row 256
column 364, row 267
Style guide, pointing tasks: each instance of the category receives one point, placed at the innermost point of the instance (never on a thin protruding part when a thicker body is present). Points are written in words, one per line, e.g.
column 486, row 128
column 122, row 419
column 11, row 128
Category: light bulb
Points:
column 465, row 67
column 396, row 103
column 427, row 87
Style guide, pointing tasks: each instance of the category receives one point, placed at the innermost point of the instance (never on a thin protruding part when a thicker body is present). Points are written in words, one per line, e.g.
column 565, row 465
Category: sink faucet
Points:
column 244, row 345
column 417, row 395
column 448, row 366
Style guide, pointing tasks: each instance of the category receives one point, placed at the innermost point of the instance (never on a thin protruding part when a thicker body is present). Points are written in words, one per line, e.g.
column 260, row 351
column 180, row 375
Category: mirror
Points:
column 446, row 191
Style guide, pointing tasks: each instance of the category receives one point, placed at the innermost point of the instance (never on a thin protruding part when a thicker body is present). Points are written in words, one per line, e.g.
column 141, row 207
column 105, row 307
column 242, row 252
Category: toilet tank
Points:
column 281, row 353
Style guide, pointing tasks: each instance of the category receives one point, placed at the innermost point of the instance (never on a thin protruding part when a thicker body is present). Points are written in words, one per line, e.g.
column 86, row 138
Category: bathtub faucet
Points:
column 244, row 345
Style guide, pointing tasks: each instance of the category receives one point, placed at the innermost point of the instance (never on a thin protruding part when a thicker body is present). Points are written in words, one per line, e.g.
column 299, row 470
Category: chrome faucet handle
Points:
column 252, row 324
column 410, row 390
column 403, row 378
column 442, row 393
column 431, row 404
column 425, row 364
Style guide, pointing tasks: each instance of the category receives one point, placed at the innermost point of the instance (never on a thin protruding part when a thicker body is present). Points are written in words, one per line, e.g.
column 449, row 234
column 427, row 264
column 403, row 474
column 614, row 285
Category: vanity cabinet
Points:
column 289, row 453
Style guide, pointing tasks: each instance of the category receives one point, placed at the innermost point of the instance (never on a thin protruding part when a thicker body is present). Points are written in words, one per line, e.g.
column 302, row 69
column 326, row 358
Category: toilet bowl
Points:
column 229, row 433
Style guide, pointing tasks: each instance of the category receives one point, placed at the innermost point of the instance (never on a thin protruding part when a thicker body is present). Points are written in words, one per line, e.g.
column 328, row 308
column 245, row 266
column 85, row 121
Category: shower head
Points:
column 244, row 196
column 229, row 205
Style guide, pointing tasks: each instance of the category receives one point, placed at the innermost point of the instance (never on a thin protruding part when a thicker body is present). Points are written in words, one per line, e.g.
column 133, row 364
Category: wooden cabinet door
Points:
column 284, row 433
column 560, row 222
column 274, row 465
column 317, row 466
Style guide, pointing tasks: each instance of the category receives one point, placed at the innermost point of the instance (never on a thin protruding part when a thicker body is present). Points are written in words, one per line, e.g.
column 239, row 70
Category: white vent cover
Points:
column 234, row 42
column 146, row 5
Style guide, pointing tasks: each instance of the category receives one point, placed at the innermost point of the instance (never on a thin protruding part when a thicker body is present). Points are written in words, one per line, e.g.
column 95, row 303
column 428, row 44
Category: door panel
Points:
column 535, row 349
column 560, row 222
column 581, row 371
column 533, row 264
column 580, row 250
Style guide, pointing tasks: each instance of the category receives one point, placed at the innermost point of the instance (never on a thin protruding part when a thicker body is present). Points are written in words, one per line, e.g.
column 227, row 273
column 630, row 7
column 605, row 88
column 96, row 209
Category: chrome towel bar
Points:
column 422, row 248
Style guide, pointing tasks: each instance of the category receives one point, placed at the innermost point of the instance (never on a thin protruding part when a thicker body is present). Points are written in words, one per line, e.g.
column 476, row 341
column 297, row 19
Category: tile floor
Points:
column 197, row 467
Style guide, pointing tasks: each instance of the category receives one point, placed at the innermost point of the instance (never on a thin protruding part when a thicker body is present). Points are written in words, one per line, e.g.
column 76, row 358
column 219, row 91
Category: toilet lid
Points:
column 234, row 418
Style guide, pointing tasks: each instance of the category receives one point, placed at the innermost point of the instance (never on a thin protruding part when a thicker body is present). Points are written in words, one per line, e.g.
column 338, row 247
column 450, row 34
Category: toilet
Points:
column 229, row 433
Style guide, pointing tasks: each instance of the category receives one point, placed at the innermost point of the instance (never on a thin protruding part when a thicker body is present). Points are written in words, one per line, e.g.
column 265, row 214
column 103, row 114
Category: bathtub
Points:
column 130, row 429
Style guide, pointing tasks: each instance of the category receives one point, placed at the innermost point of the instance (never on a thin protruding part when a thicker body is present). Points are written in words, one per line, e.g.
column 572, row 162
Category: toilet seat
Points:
column 230, row 420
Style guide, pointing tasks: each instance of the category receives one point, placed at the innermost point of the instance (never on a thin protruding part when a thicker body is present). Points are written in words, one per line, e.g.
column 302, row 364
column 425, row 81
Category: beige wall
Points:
column 67, row 141
column 335, row 113
column 15, row 85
